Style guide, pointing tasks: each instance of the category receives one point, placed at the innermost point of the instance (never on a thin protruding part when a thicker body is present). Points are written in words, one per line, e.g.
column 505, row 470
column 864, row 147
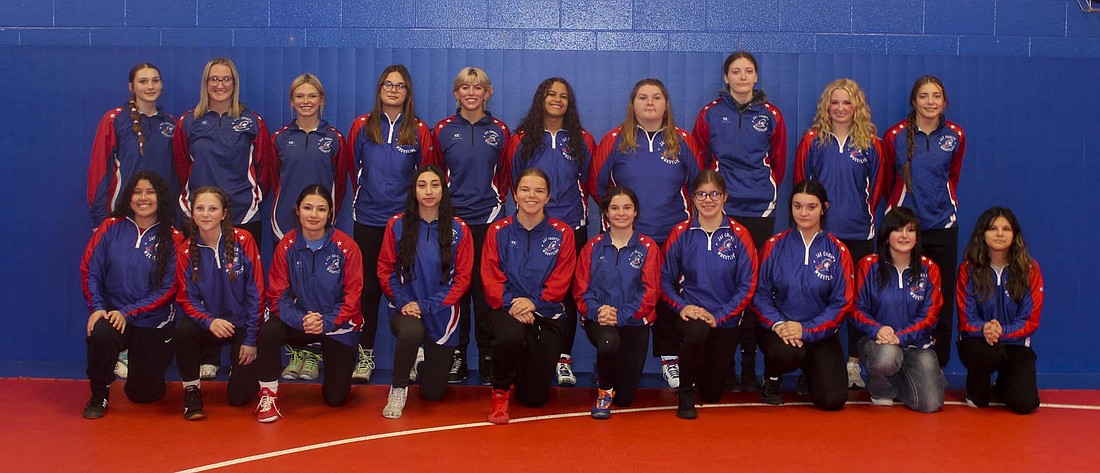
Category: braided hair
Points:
column 911, row 122
column 135, row 115
column 227, row 245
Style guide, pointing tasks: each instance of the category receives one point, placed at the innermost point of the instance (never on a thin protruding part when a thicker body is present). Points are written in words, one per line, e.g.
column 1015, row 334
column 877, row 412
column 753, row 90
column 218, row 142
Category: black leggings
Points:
column 858, row 249
column 432, row 374
column 942, row 247
column 706, row 356
column 369, row 240
column 338, row 365
column 580, row 237
column 1015, row 368
column 822, row 362
column 525, row 355
column 150, row 355
column 620, row 357
column 192, row 340
column 760, row 228
column 476, row 293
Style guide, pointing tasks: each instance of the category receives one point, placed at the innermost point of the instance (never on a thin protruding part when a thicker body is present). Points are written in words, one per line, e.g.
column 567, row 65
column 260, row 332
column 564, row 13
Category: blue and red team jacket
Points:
column 565, row 164
column 747, row 144
column 383, row 172
column 661, row 183
column 437, row 297
column 231, row 153
column 215, row 295
column 1018, row 318
column 328, row 281
column 302, row 159
column 810, row 284
column 910, row 306
column 116, row 267
column 852, row 177
column 627, row 278
column 472, row 155
column 116, row 157
column 537, row 264
column 716, row 272
column 935, row 168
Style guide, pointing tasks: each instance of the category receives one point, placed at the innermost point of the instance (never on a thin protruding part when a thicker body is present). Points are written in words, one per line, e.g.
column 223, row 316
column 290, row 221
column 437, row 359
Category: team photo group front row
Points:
column 687, row 252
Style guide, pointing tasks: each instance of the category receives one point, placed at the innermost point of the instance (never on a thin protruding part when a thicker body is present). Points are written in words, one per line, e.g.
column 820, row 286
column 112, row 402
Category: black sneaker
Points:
column 458, row 372
column 192, row 403
column 686, row 408
column 96, row 407
column 803, row 385
column 772, row 393
column 485, row 371
column 749, row 382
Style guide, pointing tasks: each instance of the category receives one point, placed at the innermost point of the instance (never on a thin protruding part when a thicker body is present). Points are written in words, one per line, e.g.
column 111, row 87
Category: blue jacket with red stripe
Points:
column 437, row 297
column 567, row 166
column 328, row 281
column 852, row 178
column 1018, row 318
column 215, row 295
column 935, row 169
column 116, row 157
column 471, row 158
column 909, row 304
column 537, row 264
column 661, row 183
column 716, row 272
column 302, row 159
column 811, row 284
column 627, row 278
column 747, row 144
column 383, row 171
column 115, row 270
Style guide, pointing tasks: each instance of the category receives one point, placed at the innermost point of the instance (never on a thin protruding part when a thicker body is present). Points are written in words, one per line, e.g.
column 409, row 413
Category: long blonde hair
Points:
column 236, row 107
column 628, row 132
column 863, row 131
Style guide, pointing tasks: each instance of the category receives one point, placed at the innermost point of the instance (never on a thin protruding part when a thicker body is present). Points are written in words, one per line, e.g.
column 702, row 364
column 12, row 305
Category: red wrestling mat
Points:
column 41, row 428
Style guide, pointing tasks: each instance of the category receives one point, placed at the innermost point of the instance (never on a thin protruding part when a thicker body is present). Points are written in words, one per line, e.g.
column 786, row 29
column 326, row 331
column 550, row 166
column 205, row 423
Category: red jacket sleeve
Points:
column 101, row 165
column 777, row 155
column 181, row 155
column 507, row 160
column 429, row 148
column 341, row 168
column 801, row 156
column 557, row 284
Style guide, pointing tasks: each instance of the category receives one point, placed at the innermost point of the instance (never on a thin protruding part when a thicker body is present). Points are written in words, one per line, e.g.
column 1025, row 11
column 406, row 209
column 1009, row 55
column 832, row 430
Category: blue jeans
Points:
column 909, row 374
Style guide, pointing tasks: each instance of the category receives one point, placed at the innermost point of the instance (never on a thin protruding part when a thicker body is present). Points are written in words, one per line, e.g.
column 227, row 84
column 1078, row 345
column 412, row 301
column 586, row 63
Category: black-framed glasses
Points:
column 214, row 80
column 714, row 195
column 390, row 86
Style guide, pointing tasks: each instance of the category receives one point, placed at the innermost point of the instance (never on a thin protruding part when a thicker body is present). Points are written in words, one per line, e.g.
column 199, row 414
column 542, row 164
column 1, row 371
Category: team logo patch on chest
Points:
column 492, row 138
column 235, row 267
column 636, row 259
column 724, row 246
column 167, row 129
column 823, row 263
column 857, row 155
column 761, row 123
column 406, row 149
column 917, row 289
column 332, row 264
column 242, row 124
column 150, row 249
column 551, row 246
column 948, row 143
column 324, row 145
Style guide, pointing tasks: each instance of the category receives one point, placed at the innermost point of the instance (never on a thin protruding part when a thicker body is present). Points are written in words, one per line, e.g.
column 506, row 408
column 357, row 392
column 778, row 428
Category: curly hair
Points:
column 533, row 125
column 863, row 131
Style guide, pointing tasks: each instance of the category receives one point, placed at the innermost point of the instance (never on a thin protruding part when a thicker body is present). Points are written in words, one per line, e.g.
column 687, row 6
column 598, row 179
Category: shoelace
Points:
column 310, row 363
column 564, row 369
column 295, row 356
column 456, row 365
column 398, row 395
column 603, row 402
column 673, row 370
column 267, row 403
column 366, row 362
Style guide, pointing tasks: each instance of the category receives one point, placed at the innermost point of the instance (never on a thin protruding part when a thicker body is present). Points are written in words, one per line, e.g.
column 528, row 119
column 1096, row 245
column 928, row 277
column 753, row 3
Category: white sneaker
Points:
column 122, row 366
column 396, row 403
column 294, row 368
column 364, row 366
column 208, row 371
column 855, row 378
column 670, row 369
column 311, row 369
column 882, row 401
column 565, row 371
column 416, row 366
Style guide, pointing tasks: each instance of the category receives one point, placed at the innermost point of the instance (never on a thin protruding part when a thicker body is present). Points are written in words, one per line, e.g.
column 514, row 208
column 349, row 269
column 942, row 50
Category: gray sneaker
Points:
column 364, row 366
column 311, row 369
column 294, row 368
column 396, row 403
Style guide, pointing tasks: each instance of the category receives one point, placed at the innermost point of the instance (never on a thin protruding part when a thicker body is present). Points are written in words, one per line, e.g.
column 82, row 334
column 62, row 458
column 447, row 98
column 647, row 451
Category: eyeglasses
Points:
column 214, row 80
column 714, row 195
column 390, row 86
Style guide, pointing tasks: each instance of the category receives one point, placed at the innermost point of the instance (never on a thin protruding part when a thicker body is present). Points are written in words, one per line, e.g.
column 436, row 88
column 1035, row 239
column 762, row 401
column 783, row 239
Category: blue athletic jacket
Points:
column 215, row 295
column 471, row 158
column 383, row 171
column 1018, row 319
column 852, row 177
column 810, row 284
column 436, row 296
column 328, row 281
column 912, row 309
column 537, row 264
column 567, row 166
column 302, row 159
column 935, row 169
column 661, row 183
column 627, row 278
column 115, row 270
column 116, row 157
column 716, row 272
column 747, row 144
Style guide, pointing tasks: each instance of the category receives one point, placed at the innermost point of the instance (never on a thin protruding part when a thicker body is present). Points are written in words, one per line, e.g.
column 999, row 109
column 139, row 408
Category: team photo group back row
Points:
column 687, row 251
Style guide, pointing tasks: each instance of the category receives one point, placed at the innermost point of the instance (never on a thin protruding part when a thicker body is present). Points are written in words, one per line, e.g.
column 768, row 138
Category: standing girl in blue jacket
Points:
column 387, row 145
column 129, row 280
column 898, row 301
column 222, row 289
column 648, row 151
column 550, row 138
column 617, row 287
column 425, row 263
column 1000, row 297
column 527, row 265
column 472, row 145
column 708, row 278
column 805, row 289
